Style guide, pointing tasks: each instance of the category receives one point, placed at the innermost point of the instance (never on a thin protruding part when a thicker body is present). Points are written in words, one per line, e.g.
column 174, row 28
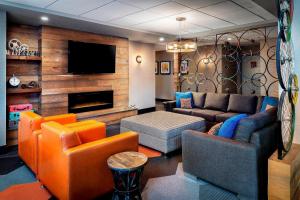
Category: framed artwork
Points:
column 165, row 67
column 156, row 67
column 184, row 67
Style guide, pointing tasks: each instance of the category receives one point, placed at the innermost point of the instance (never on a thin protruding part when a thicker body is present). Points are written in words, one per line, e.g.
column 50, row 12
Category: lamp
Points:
column 181, row 45
column 205, row 60
column 138, row 59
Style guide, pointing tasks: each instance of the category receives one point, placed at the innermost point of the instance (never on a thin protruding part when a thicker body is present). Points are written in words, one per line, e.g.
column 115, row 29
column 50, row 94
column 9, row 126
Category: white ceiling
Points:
column 158, row 16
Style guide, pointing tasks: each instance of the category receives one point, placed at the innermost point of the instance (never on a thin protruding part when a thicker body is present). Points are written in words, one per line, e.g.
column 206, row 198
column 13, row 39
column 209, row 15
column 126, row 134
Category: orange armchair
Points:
column 29, row 128
column 73, row 165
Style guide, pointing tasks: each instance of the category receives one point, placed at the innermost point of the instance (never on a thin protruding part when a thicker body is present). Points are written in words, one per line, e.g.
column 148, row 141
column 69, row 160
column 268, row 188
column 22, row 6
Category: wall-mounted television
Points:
column 90, row 58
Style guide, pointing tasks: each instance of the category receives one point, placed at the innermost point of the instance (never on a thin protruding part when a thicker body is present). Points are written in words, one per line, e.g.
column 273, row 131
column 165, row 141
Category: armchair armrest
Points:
column 87, row 164
column 169, row 105
column 223, row 162
column 62, row 119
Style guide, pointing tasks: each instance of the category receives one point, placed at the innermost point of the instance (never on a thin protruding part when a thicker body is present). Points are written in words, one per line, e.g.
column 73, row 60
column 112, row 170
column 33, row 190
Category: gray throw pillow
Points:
column 247, row 126
column 199, row 99
column 242, row 104
column 216, row 101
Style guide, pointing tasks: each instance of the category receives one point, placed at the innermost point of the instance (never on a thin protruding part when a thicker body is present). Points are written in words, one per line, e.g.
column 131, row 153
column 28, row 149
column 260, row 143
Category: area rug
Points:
column 182, row 186
column 150, row 153
column 18, row 176
column 28, row 191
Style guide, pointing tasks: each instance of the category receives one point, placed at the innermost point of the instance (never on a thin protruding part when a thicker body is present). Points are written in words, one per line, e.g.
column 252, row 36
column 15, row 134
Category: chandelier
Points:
column 181, row 45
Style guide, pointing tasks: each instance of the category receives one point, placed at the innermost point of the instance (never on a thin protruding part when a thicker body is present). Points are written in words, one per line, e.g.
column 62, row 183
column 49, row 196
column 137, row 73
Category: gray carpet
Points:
column 182, row 186
column 18, row 176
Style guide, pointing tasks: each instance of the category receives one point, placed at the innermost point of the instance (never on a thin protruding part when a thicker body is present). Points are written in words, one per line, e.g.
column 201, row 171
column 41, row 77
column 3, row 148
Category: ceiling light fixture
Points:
column 44, row 18
column 229, row 39
column 181, row 45
column 161, row 39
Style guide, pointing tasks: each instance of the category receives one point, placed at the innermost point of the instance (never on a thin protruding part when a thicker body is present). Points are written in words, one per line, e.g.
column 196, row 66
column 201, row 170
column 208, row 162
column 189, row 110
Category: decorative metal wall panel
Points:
column 226, row 66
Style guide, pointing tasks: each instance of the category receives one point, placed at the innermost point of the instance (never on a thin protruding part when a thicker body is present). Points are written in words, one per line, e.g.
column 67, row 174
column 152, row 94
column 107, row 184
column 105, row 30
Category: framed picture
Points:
column 156, row 67
column 165, row 67
column 184, row 67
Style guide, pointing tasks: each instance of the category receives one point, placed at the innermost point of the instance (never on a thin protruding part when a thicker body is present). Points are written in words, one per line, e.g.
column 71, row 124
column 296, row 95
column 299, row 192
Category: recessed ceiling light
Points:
column 44, row 18
column 161, row 39
column 229, row 39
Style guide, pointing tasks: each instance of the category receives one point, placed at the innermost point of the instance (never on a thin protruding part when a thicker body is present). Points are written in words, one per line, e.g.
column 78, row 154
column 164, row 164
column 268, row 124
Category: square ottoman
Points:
column 161, row 130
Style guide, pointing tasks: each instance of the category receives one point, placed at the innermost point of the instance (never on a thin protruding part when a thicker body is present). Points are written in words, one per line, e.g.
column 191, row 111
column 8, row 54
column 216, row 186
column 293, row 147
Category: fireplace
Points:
column 89, row 101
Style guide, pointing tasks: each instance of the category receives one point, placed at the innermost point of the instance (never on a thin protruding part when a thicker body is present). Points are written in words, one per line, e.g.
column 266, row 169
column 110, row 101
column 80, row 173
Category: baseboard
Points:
column 146, row 110
column 163, row 100
column 5, row 149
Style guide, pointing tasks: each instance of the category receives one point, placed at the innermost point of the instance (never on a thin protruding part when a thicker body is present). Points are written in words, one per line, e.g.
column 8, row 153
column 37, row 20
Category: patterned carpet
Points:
column 182, row 186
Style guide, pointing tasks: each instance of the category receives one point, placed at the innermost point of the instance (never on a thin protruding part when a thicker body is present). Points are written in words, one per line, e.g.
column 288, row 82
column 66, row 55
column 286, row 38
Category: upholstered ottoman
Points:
column 161, row 130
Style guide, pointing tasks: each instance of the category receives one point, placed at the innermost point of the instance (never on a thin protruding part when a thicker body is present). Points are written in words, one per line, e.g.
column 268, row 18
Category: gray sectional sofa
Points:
column 240, row 164
column 214, row 107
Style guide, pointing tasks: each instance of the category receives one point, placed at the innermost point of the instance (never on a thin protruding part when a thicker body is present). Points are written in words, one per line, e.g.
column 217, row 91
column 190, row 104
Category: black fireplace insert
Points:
column 90, row 101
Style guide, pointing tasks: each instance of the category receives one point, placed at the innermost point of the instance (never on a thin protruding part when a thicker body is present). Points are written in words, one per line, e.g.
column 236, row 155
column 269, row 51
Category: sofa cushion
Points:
column 70, row 140
column 209, row 115
column 186, row 103
column 227, row 130
column 199, row 99
column 224, row 116
column 214, row 130
column 182, row 111
column 180, row 95
column 272, row 101
column 242, row 104
column 216, row 101
column 255, row 122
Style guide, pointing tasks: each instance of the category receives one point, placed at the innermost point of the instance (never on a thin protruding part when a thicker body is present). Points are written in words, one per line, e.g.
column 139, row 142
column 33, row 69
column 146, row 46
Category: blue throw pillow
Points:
column 183, row 95
column 228, row 128
column 272, row 101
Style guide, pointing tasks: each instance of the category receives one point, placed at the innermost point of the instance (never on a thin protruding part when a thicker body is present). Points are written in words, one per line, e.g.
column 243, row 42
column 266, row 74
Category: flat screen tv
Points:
column 90, row 58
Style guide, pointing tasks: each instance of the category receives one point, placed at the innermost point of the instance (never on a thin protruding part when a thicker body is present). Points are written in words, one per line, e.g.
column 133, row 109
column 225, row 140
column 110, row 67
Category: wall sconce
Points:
column 138, row 59
column 205, row 61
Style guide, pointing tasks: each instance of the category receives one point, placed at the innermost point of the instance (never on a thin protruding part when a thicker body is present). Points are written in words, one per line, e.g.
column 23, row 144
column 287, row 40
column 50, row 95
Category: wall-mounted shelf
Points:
column 25, row 58
column 21, row 91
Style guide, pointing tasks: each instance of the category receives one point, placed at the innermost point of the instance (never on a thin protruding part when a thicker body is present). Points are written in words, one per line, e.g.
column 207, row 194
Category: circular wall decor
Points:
column 286, row 76
column 286, row 114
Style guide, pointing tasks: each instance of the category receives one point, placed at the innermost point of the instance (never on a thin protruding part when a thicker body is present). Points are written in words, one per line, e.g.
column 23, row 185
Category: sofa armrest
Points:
column 266, row 139
column 169, row 105
column 62, row 119
column 227, row 163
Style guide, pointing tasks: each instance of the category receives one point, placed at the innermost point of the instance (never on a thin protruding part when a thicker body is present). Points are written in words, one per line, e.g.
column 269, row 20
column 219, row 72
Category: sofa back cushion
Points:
column 247, row 126
column 242, row 104
column 199, row 99
column 216, row 101
column 182, row 95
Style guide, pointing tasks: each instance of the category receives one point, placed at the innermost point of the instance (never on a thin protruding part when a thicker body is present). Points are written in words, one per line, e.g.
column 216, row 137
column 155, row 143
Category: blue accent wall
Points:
column 2, row 78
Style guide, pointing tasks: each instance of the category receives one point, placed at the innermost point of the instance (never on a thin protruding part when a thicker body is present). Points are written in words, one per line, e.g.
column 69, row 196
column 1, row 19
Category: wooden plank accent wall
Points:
column 57, row 83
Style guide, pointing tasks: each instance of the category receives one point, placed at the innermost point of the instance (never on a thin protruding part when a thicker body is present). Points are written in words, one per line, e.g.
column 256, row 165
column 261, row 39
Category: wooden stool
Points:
column 284, row 175
column 127, row 168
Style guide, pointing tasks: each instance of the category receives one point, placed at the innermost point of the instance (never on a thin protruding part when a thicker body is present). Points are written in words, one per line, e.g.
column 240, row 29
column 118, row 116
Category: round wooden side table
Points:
column 127, row 169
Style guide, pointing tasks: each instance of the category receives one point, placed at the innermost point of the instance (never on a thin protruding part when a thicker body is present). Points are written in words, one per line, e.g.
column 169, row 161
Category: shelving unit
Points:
column 24, row 58
column 27, row 69
column 21, row 90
